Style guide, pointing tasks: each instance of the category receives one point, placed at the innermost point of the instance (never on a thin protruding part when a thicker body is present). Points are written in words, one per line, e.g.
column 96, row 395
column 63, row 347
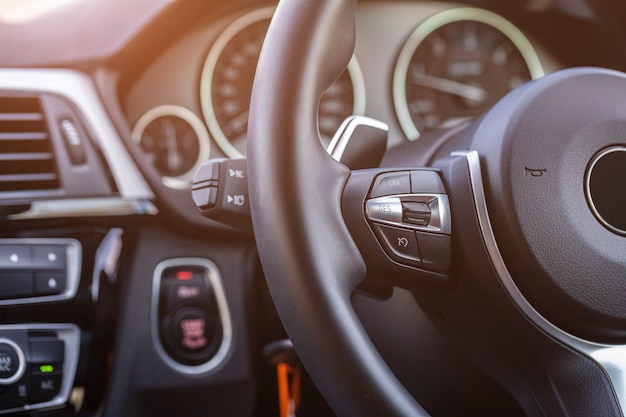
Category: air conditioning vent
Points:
column 26, row 157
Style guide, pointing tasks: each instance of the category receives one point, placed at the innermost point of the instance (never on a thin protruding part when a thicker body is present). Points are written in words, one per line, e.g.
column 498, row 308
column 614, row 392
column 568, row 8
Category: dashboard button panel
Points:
column 38, row 270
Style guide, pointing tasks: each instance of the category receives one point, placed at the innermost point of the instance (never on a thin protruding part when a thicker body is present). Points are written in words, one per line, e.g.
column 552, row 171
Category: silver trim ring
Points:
column 611, row 358
column 433, row 23
column 590, row 201
column 214, row 277
column 21, row 367
column 182, row 181
column 206, row 80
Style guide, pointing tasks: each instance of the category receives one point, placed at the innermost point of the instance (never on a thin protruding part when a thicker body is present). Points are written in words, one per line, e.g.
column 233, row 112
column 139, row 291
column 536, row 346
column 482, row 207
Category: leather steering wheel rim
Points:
column 310, row 261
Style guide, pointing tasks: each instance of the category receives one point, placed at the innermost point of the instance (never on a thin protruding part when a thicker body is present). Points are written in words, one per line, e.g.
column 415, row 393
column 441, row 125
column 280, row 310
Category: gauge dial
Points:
column 176, row 142
column 226, row 85
column 456, row 65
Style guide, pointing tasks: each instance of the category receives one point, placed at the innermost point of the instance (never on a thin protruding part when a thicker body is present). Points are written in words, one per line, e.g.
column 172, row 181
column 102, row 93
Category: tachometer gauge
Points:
column 176, row 142
column 456, row 65
column 226, row 85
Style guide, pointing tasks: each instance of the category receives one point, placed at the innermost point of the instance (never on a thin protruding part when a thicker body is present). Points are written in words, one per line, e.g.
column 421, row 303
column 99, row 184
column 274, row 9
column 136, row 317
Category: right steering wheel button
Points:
column 391, row 183
column 400, row 244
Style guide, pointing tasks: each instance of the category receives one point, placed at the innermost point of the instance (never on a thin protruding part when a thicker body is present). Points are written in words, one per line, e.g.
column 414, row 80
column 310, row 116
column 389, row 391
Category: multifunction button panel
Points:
column 38, row 270
column 190, row 315
column 37, row 365
column 410, row 213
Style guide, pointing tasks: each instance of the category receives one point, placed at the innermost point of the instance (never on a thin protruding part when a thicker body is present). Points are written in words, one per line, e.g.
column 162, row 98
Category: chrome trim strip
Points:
column 590, row 201
column 342, row 137
column 107, row 261
column 611, row 358
column 85, row 207
column 79, row 89
column 73, row 251
column 214, row 277
column 68, row 333
column 440, row 222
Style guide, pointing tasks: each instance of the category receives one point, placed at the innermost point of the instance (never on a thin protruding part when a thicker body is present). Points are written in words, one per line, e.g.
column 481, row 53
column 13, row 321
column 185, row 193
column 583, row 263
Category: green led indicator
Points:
column 46, row 369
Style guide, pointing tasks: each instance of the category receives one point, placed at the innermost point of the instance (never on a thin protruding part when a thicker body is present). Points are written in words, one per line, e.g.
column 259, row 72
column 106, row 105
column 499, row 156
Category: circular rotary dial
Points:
column 456, row 65
column 175, row 141
column 226, row 85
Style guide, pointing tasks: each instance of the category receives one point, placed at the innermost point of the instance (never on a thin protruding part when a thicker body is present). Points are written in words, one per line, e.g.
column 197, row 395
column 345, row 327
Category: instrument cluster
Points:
column 417, row 66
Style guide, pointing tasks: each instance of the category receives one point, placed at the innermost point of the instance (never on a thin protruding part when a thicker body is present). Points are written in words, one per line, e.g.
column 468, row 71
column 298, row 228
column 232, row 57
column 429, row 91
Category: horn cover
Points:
column 537, row 148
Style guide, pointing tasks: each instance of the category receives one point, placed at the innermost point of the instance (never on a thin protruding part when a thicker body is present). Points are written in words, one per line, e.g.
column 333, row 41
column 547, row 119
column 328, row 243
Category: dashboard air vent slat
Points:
column 26, row 156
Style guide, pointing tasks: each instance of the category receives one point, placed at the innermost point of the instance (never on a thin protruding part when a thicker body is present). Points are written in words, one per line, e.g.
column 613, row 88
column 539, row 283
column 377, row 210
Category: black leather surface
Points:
column 308, row 256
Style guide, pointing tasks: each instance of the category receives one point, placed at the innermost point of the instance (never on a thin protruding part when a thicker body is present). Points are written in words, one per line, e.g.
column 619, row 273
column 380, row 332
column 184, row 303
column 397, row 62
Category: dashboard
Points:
column 153, row 309
column 206, row 77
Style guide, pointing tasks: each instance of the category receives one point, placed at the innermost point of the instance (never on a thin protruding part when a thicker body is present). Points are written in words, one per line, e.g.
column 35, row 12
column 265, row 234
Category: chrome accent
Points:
column 79, row 89
column 73, row 252
column 107, row 261
column 611, row 358
column 214, row 277
column 342, row 137
column 436, row 21
column 590, row 201
column 21, row 367
column 387, row 210
column 206, row 98
column 183, row 181
column 70, row 335
column 85, row 207
column 440, row 219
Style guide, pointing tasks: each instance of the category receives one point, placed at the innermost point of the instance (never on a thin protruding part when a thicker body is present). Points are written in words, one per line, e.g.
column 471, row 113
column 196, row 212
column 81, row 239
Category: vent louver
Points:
column 26, row 157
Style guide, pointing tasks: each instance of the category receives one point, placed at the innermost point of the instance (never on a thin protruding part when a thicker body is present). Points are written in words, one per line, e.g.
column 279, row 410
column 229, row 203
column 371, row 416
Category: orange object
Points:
column 288, row 389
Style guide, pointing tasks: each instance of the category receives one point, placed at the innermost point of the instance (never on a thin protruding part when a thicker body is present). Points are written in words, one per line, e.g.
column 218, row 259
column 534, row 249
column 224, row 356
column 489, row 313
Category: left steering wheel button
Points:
column 400, row 244
column 384, row 209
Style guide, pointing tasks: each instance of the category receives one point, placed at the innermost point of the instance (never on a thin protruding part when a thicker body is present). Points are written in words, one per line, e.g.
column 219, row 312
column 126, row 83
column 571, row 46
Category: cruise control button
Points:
column 426, row 182
column 400, row 244
column 416, row 213
column 391, row 183
column 435, row 251
column 384, row 209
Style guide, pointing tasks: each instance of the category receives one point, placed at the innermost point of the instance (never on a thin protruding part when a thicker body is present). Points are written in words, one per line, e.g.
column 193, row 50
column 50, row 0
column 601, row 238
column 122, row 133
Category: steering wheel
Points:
column 514, row 244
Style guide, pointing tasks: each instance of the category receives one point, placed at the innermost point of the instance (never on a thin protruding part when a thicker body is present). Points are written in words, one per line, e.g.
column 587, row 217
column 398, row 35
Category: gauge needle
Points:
column 173, row 156
column 467, row 91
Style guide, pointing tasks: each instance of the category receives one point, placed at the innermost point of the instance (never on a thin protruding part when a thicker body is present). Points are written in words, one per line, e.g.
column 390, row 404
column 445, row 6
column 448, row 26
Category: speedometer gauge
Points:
column 226, row 85
column 456, row 65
